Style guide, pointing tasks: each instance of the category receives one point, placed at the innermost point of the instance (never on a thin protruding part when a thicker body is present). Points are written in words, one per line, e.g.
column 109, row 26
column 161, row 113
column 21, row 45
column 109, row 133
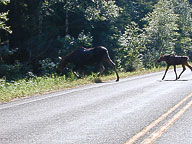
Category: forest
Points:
column 34, row 33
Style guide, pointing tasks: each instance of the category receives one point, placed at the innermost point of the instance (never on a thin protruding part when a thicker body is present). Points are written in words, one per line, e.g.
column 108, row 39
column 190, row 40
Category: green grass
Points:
column 42, row 85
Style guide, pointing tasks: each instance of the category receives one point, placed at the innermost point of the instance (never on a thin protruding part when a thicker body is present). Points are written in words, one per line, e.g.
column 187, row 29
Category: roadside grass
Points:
column 46, row 84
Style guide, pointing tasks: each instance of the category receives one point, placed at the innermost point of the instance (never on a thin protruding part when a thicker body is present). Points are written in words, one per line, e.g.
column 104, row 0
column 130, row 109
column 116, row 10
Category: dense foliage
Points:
column 33, row 33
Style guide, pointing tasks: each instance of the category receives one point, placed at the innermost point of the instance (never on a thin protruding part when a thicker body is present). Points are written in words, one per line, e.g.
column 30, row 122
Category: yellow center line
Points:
column 154, row 123
column 155, row 135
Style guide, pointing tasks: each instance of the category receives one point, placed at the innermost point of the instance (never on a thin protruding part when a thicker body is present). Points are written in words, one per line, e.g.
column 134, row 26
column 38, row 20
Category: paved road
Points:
column 134, row 110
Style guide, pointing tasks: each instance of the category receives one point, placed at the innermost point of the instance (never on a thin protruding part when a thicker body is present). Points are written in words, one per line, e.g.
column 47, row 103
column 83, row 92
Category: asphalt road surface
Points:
column 141, row 109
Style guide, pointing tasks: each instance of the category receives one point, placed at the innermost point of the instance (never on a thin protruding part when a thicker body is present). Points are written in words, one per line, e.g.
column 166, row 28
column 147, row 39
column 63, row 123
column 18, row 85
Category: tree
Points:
column 131, row 46
column 160, row 31
column 3, row 17
column 102, row 10
column 183, row 9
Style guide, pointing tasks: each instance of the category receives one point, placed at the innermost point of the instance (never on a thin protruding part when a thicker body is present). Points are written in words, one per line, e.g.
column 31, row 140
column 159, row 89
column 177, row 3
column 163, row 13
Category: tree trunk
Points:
column 66, row 22
column 40, row 19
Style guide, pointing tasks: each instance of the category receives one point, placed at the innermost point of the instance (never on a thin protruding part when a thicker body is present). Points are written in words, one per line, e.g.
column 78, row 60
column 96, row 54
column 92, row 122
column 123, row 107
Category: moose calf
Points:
column 175, row 60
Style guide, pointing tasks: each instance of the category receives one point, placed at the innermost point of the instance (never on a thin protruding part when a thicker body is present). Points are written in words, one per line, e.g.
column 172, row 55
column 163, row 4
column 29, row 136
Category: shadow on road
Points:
column 175, row 80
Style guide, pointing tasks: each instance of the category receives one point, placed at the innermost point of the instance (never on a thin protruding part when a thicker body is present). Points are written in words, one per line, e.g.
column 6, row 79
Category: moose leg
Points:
column 112, row 64
column 83, row 72
column 75, row 73
column 165, row 72
column 188, row 66
column 175, row 72
column 182, row 71
column 82, row 69
column 102, row 68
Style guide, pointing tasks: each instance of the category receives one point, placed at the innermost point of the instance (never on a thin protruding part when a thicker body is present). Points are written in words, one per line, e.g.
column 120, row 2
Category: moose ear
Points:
column 60, row 58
